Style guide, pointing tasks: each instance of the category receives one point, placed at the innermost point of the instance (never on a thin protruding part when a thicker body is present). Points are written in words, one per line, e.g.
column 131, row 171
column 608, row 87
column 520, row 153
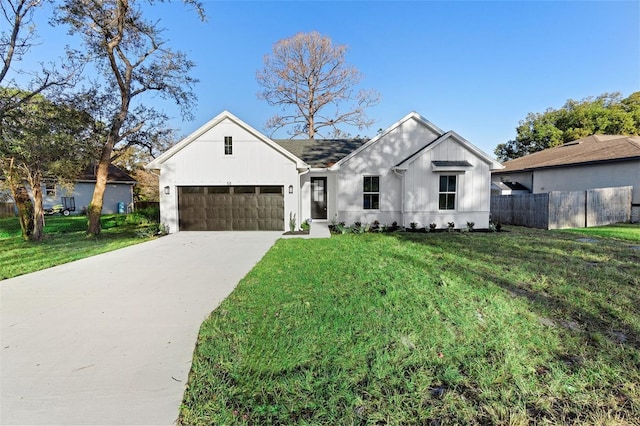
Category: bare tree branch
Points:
column 307, row 73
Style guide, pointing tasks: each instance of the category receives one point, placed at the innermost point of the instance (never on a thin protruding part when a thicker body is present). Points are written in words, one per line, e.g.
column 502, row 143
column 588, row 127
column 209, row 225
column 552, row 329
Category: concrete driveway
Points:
column 108, row 340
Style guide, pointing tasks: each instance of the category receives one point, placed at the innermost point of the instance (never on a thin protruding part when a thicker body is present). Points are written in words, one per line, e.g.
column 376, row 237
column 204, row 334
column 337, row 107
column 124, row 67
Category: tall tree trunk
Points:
column 25, row 210
column 95, row 208
column 312, row 130
column 38, row 211
column 20, row 197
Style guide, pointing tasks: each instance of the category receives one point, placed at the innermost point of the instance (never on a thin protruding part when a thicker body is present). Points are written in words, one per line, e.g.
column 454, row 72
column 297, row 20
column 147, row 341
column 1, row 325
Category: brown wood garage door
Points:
column 231, row 208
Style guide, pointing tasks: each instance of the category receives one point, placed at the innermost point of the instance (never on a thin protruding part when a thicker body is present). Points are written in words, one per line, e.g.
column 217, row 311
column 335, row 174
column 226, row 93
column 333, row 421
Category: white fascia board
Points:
column 157, row 162
column 395, row 125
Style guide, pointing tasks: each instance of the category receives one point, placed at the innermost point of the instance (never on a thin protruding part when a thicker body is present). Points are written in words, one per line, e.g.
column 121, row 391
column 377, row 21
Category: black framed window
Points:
column 50, row 190
column 447, row 192
column 371, row 192
column 228, row 145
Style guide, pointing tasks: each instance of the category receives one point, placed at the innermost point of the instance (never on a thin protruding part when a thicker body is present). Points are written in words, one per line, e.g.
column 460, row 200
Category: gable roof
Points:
column 320, row 153
column 493, row 164
column 589, row 150
column 412, row 115
column 155, row 164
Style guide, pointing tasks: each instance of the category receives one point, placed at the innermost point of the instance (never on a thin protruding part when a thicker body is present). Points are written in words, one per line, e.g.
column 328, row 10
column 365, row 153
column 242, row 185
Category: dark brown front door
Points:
column 318, row 197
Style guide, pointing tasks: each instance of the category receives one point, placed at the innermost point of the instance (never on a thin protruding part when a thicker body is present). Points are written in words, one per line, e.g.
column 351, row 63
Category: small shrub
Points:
column 451, row 226
column 151, row 213
column 470, row 226
column 414, row 226
column 305, row 225
column 432, row 227
column 357, row 228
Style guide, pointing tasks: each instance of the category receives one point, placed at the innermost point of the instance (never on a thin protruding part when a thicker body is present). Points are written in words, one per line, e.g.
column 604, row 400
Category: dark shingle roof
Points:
column 115, row 174
column 592, row 149
column 320, row 152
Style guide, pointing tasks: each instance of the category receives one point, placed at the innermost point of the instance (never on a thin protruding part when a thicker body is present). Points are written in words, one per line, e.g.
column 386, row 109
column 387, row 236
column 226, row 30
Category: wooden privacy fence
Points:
column 564, row 209
column 7, row 210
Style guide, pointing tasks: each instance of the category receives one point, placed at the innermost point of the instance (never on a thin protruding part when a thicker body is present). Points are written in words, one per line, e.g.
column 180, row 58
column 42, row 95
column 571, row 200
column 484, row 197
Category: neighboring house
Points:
column 598, row 161
column 228, row 176
column 118, row 193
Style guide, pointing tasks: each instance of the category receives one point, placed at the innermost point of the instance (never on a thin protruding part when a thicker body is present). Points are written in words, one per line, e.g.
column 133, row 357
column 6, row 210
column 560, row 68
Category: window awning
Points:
column 451, row 166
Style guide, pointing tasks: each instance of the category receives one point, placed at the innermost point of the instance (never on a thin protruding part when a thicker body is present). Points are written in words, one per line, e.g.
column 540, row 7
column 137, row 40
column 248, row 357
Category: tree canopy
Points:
column 41, row 141
column 134, row 61
column 608, row 113
column 305, row 75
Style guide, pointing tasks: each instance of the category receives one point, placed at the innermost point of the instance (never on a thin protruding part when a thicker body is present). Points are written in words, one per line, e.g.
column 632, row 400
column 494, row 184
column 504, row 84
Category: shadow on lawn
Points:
column 490, row 264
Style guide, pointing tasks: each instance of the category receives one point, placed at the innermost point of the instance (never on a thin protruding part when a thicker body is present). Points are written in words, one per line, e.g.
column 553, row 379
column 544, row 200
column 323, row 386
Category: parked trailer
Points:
column 68, row 205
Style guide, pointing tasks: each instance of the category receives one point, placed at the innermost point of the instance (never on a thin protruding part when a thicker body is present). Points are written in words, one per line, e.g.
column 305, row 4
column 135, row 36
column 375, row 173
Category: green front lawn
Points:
column 518, row 327
column 621, row 231
column 65, row 240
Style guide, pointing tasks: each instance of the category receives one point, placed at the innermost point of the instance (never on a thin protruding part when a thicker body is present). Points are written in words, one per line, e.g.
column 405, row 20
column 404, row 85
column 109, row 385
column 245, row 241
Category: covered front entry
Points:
column 231, row 208
column 318, row 197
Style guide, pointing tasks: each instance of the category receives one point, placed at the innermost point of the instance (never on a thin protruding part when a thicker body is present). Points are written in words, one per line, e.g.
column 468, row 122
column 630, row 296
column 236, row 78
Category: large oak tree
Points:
column 307, row 76
column 133, row 61
column 608, row 113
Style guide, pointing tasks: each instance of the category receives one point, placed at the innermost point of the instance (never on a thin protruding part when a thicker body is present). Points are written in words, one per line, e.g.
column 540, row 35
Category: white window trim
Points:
column 455, row 193
column 370, row 192
column 224, row 146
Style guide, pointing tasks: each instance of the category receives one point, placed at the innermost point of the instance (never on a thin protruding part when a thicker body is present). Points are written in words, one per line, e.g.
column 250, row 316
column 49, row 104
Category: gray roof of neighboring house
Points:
column 115, row 174
column 320, row 152
column 588, row 150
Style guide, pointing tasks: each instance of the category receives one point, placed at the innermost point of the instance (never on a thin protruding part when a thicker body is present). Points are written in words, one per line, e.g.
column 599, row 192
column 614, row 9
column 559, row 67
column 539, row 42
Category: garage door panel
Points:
column 231, row 208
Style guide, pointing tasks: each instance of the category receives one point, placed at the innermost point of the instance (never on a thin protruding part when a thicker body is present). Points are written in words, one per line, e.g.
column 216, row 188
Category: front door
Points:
column 318, row 198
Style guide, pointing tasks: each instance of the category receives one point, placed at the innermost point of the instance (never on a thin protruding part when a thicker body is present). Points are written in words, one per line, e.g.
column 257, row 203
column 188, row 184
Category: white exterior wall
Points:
column 203, row 163
column 377, row 160
column 581, row 178
column 421, row 183
column 473, row 189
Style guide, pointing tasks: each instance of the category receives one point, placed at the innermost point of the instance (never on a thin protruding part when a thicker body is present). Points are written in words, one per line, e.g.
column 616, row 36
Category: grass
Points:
column 66, row 240
column 519, row 327
column 621, row 231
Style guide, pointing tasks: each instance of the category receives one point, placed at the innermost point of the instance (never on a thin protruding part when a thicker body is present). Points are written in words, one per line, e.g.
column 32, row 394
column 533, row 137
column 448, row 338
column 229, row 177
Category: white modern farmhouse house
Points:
column 228, row 176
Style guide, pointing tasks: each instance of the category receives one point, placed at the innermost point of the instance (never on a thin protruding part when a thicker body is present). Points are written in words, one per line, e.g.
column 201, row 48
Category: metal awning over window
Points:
column 451, row 166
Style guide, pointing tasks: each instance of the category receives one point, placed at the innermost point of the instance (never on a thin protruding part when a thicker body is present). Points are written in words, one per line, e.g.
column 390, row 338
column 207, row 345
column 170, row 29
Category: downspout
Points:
column 395, row 170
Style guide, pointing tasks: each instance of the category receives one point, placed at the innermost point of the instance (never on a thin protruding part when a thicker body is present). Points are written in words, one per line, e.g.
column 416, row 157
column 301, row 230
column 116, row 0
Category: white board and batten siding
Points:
column 422, row 187
column 420, row 202
column 203, row 163
column 378, row 159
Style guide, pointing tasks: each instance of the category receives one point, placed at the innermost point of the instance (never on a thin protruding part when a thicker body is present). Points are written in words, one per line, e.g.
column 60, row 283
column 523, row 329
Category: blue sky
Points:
column 475, row 67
